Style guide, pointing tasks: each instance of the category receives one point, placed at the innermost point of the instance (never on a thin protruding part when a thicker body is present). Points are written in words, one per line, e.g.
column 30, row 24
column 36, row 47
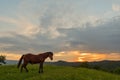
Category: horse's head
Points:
column 50, row 55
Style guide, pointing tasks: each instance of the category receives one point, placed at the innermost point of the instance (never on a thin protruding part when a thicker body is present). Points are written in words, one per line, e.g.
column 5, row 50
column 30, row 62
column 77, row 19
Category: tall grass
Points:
column 11, row 72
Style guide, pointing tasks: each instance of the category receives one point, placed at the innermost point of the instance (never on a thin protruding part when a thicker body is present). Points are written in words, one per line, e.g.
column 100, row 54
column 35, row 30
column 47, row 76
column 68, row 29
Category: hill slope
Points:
column 10, row 72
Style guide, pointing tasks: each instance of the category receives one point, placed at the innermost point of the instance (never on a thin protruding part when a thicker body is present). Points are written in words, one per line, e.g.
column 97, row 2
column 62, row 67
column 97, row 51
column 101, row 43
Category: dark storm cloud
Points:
column 104, row 37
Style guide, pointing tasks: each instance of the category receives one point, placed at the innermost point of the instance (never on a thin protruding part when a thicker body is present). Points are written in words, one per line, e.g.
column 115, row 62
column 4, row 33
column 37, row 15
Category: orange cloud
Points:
column 91, row 57
column 11, row 56
column 79, row 56
column 66, row 55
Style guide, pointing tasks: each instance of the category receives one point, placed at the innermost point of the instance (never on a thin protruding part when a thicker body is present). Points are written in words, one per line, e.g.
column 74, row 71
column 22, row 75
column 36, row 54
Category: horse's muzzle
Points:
column 51, row 58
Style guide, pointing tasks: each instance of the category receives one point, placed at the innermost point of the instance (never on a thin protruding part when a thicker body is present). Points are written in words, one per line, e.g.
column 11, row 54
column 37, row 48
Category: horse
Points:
column 34, row 59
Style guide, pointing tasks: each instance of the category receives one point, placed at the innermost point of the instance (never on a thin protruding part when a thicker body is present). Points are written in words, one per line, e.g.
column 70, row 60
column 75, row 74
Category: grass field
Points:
column 11, row 72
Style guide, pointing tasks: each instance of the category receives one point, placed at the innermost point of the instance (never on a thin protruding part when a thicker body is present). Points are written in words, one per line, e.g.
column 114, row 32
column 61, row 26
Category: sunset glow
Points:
column 91, row 57
column 81, row 57
column 11, row 56
column 72, row 56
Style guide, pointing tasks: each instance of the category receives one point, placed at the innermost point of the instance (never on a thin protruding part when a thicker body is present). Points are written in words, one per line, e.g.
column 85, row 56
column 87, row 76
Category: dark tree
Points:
column 2, row 59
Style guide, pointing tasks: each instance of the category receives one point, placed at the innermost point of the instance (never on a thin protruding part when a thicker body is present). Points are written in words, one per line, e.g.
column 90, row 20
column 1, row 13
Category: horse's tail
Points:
column 20, row 61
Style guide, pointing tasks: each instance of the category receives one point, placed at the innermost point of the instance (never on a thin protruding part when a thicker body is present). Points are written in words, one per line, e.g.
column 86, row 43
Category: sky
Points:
column 74, row 30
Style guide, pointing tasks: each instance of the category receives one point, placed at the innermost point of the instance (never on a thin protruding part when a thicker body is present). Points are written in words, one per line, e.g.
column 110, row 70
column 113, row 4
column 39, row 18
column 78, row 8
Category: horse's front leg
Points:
column 41, row 67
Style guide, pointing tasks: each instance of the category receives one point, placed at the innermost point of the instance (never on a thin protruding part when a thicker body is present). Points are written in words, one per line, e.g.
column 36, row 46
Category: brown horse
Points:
column 34, row 59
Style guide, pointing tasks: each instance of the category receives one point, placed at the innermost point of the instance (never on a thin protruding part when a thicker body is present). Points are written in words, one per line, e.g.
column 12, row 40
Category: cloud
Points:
column 101, row 38
column 67, row 55
column 20, row 26
column 65, row 15
column 116, row 7
column 60, row 26
column 51, row 16
column 80, row 57
column 98, row 57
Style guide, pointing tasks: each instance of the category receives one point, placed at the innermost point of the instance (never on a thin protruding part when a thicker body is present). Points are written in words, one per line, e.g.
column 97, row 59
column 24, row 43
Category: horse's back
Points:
column 32, row 58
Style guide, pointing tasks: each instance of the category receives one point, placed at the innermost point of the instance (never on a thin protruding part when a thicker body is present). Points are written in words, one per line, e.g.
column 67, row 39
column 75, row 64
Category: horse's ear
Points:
column 51, row 53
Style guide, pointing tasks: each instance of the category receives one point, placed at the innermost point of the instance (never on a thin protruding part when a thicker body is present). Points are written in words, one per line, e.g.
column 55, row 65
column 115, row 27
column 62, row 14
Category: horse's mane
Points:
column 46, row 53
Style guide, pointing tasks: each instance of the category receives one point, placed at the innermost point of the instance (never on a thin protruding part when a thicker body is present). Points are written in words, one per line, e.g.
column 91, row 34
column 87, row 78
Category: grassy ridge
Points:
column 54, row 73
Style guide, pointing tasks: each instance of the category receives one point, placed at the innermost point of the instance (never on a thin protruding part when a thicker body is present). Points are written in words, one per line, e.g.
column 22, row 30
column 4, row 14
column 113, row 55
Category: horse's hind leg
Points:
column 24, row 65
column 21, row 68
column 26, row 69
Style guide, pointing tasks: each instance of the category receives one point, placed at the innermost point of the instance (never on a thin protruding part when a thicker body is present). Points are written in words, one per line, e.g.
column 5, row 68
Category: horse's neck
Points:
column 44, row 55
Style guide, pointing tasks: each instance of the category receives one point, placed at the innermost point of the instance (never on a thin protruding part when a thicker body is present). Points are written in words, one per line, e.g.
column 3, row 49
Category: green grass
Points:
column 11, row 72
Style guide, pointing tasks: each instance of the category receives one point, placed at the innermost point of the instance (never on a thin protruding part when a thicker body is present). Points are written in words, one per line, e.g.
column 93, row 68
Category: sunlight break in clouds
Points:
column 78, row 56
column 97, row 56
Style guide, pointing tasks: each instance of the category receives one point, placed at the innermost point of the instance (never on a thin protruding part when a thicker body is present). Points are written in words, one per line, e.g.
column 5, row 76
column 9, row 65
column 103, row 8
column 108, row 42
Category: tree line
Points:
column 97, row 67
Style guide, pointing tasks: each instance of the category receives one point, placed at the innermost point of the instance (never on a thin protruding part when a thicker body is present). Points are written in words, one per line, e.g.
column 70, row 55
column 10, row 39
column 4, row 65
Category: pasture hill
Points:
column 52, row 72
